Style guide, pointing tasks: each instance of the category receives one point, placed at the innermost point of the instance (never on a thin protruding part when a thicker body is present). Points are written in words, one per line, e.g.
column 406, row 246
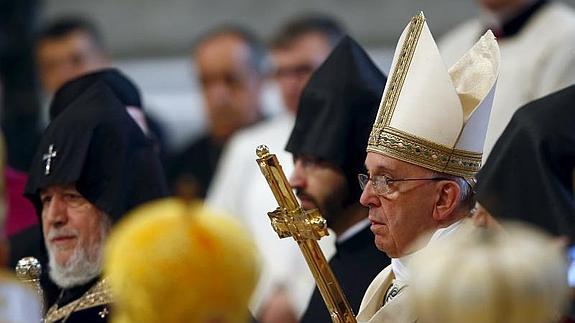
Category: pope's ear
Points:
column 447, row 201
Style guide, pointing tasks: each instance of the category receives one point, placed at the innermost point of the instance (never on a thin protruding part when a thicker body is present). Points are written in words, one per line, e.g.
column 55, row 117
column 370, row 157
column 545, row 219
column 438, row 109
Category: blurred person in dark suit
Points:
column 231, row 66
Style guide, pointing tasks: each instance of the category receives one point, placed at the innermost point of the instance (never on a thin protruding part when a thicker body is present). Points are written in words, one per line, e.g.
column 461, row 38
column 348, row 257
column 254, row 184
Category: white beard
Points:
column 83, row 265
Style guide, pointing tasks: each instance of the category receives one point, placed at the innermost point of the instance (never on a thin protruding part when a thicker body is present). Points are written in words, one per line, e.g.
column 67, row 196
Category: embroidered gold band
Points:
column 96, row 296
column 400, row 71
column 403, row 146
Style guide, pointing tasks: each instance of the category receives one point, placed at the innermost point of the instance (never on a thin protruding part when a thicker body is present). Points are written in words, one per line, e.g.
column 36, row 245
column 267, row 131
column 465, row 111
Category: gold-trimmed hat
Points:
column 431, row 116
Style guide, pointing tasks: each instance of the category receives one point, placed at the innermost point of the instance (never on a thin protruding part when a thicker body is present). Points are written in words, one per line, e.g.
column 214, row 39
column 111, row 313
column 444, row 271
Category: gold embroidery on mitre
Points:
column 409, row 148
column 98, row 295
column 400, row 71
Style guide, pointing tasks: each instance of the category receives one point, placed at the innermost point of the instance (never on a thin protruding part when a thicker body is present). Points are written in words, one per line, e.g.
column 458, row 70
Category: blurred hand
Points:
column 278, row 309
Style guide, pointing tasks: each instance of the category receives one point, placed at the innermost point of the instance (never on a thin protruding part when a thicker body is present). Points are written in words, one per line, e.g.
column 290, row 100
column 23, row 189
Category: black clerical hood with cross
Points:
column 95, row 144
column 337, row 110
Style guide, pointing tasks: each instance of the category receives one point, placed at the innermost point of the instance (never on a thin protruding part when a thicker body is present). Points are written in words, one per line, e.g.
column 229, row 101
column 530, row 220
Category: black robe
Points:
column 195, row 166
column 355, row 265
column 84, row 304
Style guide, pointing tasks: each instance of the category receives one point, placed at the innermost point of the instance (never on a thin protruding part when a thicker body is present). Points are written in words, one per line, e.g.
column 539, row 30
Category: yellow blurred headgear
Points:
column 170, row 261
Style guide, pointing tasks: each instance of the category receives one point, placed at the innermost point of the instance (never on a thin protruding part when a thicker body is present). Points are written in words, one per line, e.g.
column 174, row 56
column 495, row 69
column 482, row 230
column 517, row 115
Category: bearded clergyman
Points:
column 92, row 166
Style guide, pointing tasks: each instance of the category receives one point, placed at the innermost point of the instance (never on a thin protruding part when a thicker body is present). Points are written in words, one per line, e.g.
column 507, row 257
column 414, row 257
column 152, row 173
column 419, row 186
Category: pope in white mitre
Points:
column 424, row 150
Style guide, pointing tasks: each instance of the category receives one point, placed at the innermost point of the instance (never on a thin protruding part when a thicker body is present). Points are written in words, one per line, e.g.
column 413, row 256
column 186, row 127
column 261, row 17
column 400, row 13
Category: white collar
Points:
column 353, row 230
column 399, row 265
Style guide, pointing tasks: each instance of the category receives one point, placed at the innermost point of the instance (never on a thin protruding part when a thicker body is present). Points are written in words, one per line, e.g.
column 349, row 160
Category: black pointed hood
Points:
column 529, row 173
column 337, row 109
column 96, row 144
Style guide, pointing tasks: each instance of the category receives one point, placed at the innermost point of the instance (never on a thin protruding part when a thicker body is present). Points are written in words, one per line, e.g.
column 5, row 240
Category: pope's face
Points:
column 69, row 222
column 400, row 217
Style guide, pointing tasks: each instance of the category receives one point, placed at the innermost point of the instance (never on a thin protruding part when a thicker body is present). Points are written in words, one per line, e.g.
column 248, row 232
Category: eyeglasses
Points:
column 381, row 183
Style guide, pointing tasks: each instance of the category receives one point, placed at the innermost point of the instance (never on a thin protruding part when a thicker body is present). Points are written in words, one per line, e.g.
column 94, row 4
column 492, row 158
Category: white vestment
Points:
column 239, row 189
column 538, row 60
column 18, row 304
column 398, row 309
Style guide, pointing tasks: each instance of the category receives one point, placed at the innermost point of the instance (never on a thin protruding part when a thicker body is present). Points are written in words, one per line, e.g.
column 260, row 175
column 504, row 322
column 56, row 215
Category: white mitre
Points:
column 431, row 116
column 518, row 275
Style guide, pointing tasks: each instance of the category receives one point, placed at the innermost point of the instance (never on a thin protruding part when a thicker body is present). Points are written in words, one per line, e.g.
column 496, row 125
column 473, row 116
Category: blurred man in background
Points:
column 231, row 65
column 537, row 52
column 298, row 48
column 67, row 48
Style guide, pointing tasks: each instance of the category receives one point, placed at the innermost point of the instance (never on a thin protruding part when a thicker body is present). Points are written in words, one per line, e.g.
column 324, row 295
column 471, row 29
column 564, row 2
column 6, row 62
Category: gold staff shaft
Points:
column 305, row 227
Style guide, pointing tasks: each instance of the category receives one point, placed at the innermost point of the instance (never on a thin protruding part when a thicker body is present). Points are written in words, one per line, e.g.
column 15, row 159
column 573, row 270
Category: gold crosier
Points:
column 305, row 227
